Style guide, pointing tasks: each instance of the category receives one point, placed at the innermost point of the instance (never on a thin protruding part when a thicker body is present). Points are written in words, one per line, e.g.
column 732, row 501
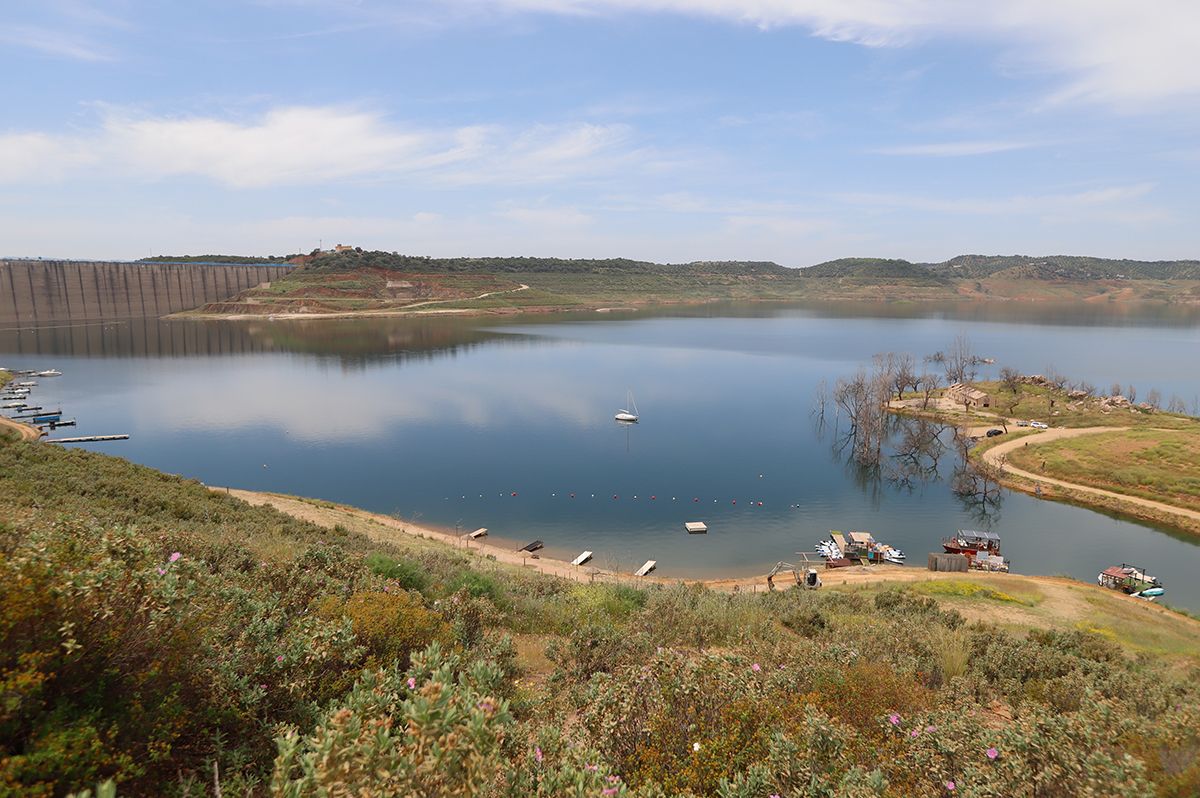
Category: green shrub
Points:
column 406, row 574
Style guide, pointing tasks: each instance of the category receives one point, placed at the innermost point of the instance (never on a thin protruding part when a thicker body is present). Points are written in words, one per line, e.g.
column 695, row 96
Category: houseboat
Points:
column 1131, row 580
column 982, row 549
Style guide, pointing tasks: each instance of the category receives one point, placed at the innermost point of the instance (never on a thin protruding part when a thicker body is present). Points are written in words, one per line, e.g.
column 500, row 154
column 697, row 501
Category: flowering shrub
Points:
column 431, row 731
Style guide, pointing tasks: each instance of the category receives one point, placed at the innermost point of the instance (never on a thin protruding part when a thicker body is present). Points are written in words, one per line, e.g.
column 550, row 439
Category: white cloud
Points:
column 309, row 145
column 954, row 149
column 1110, row 51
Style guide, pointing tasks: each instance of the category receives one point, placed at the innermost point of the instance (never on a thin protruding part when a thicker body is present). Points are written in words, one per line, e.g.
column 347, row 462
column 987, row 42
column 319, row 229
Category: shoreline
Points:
column 387, row 529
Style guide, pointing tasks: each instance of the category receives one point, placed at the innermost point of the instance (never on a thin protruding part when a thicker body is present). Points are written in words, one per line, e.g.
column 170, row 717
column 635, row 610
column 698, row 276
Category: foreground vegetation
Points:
column 172, row 638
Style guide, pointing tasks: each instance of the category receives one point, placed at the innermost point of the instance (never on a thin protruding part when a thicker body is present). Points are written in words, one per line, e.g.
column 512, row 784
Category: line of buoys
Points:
column 653, row 497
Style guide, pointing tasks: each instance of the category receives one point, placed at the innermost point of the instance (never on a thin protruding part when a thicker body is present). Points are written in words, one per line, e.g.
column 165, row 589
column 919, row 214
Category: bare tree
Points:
column 820, row 402
column 1087, row 388
column 917, row 455
column 1154, row 398
column 864, row 398
column 960, row 361
column 1115, row 390
column 904, row 374
column 927, row 383
column 1177, row 405
column 1056, row 379
column 1011, row 379
column 1132, row 395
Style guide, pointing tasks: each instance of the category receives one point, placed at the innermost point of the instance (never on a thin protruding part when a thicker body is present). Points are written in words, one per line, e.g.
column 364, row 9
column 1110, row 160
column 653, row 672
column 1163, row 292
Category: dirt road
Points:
column 997, row 454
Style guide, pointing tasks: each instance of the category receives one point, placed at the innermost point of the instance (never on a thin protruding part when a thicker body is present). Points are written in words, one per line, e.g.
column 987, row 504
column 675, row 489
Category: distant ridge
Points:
column 1027, row 267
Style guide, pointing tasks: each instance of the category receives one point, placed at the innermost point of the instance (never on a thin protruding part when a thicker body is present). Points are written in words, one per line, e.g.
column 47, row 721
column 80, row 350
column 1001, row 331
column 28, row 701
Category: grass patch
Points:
column 954, row 588
column 1163, row 465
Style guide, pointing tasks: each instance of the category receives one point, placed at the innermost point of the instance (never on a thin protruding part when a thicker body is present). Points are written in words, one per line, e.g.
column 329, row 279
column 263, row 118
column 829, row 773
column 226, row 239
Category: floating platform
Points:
column 582, row 558
column 89, row 439
column 647, row 568
column 696, row 527
column 478, row 533
column 532, row 547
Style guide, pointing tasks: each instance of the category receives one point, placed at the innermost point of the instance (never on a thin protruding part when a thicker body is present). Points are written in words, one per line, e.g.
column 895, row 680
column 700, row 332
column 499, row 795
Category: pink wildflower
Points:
column 613, row 779
column 537, row 754
column 609, row 791
column 931, row 728
column 279, row 658
column 756, row 667
column 262, row 687
column 992, row 753
column 174, row 557
column 162, row 571
column 592, row 768
column 412, row 683
column 894, row 719
column 914, row 733
column 950, row 786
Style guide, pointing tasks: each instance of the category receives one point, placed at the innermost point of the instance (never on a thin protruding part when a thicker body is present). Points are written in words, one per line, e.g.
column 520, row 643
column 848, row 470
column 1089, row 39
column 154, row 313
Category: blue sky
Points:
column 787, row 130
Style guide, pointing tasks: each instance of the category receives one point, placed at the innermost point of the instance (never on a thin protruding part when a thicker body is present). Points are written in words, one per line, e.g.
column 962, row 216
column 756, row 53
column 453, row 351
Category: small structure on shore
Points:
column 532, row 546
column 582, row 558
column 953, row 563
column 478, row 533
column 646, row 568
column 968, row 395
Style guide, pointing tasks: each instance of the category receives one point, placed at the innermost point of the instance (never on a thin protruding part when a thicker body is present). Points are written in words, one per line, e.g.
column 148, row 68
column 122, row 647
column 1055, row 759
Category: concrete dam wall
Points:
column 42, row 292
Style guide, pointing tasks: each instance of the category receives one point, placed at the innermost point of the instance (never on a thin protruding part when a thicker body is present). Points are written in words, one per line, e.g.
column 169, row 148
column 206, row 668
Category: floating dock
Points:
column 478, row 533
column 532, row 547
column 647, row 568
column 89, row 439
column 696, row 527
column 582, row 558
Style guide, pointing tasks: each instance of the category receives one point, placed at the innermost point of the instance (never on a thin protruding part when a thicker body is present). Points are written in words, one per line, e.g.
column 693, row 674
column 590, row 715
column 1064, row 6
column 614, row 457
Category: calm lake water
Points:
column 443, row 420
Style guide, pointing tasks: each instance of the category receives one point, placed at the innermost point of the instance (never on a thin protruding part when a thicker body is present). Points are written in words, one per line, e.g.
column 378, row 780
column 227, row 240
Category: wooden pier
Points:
column 532, row 547
column 647, row 568
column 696, row 527
column 582, row 558
column 89, row 439
column 478, row 533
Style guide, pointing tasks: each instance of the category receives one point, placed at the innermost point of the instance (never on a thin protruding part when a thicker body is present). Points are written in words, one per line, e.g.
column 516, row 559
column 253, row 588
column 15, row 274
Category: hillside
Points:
column 175, row 639
column 1053, row 267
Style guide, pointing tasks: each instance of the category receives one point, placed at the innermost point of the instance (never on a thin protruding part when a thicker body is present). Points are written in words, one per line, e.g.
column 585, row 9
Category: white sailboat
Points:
column 627, row 416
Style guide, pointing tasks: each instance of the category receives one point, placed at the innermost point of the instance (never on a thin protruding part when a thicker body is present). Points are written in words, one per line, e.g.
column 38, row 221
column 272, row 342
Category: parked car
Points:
column 1039, row 425
column 1022, row 423
column 994, row 432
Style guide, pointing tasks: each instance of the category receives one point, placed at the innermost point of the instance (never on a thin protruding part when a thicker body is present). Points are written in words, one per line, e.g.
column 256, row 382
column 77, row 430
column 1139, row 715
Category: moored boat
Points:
column 1132, row 580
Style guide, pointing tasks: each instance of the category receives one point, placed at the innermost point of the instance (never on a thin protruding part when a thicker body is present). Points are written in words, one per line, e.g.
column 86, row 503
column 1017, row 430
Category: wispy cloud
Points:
column 955, row 149
column 311, row 145
column 1022, row 204
column 1108, row 51
column 53, row 42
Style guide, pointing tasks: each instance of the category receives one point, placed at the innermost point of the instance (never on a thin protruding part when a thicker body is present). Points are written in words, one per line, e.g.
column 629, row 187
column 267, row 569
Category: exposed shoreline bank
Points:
column 385, row 529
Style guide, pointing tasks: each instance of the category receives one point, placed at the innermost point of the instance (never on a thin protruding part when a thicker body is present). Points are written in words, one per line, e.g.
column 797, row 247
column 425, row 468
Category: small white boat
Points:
column 627, row 416
column 25, row 384
column 48, row 373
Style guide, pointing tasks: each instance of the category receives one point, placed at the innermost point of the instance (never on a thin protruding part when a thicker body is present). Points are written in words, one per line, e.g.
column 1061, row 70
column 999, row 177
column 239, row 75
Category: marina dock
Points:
column 582, row 558
column 89, row 439
column 649, row 566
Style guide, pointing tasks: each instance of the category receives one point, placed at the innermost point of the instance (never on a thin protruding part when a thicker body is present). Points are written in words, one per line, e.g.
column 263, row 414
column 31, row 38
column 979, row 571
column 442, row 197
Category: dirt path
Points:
column 484, row 295
column 997, row 454
column 26, row 432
